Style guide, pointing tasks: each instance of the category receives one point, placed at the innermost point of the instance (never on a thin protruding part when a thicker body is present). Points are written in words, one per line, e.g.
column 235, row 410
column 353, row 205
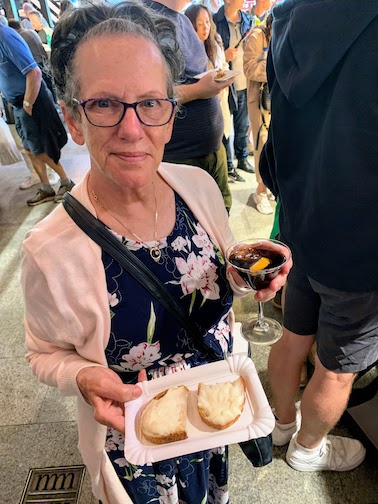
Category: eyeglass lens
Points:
column 108, row 112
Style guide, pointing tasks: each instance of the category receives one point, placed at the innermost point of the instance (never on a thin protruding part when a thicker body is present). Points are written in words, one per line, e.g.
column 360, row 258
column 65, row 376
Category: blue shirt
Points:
column 16, row 61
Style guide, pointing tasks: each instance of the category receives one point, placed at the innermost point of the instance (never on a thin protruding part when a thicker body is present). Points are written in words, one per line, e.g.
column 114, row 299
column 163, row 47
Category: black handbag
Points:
column 258, row 451
column 265, row 96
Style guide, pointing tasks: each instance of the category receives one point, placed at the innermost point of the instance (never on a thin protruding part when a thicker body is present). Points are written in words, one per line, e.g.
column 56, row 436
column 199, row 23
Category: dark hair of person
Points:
column 65, row 5
column 35, row 13
column 213, row 39
column 13, row 23
column 268, row 26
column 92, row 20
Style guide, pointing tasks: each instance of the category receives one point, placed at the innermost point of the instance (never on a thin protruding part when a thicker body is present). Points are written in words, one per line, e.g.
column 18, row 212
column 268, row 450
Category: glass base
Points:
column 268, row 334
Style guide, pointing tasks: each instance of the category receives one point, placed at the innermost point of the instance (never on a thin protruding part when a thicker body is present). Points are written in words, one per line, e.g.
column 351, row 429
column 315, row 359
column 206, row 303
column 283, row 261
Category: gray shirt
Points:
column 35, row 45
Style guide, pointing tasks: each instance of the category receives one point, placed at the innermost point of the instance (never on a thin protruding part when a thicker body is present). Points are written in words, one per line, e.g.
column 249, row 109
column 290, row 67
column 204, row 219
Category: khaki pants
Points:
column 257, row 123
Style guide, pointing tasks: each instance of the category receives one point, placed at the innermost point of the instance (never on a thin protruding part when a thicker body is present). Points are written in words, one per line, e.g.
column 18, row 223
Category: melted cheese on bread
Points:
column 220, row 405
column 164, row 418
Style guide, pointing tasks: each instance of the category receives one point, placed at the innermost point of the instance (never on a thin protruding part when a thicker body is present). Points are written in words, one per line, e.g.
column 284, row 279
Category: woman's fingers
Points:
column 142, row 375
column 104, row 390
column 99, row 381
column 237, row 278
column 109, row 413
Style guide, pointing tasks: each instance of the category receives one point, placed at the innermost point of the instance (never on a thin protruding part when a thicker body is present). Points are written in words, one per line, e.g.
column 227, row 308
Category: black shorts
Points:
column 345, row 323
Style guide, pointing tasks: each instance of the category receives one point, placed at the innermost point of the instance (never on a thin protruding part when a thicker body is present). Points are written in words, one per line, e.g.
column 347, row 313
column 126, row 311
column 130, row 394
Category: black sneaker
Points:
column 243, row 164
column 41, row 197
column 62, row 190
column 234, row 175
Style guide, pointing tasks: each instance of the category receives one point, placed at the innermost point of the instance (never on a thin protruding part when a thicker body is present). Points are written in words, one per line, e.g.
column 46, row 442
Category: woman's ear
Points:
column 73, row 121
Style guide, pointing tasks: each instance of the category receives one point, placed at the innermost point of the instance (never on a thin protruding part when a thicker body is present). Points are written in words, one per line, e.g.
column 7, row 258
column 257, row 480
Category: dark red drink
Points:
column 256, row 264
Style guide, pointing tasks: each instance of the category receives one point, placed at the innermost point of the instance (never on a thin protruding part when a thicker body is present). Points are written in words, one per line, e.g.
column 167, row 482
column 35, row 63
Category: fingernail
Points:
column 136, row 392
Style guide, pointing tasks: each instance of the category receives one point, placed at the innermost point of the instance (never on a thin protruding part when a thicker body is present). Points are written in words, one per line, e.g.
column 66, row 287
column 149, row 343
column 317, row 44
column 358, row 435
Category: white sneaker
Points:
column 270, row 195
column 30, row 181
column 52, row 176
column 282, row 433
column 262, row 203
column 334, row 454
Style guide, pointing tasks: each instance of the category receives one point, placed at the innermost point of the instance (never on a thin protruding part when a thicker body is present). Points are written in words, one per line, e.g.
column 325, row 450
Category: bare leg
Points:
column 27, row 158
column 284, row 368
column 324, row 401
column 40, row 168
column 57, row 167
column 261, row 188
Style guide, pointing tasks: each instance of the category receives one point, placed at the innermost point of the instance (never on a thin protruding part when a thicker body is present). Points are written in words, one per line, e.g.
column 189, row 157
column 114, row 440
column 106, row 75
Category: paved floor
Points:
column 37, row 424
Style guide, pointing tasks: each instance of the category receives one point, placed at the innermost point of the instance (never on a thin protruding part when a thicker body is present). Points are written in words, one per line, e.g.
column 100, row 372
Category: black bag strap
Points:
column 98, row 232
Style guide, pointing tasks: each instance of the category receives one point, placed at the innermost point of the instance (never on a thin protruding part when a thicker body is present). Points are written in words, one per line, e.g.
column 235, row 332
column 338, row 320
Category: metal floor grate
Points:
column 53, row 485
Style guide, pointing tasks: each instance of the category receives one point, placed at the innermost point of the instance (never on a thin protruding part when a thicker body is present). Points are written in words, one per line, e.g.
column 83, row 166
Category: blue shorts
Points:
column 28, row 131
column 345, row 323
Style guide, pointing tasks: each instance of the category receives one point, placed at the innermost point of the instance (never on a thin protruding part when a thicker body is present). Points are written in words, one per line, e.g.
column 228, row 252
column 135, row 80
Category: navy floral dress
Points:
column 145, row 336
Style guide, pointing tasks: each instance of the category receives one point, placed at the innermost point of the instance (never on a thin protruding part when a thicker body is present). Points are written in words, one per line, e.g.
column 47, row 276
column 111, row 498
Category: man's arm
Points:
column 33, row 85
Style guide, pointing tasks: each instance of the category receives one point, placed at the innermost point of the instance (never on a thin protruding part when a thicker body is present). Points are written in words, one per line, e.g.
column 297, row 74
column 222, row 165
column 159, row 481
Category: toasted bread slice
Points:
column 220, row 405
column 163, row 420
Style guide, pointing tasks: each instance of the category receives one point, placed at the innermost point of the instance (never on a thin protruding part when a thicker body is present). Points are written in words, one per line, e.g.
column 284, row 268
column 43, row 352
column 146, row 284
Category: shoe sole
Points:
column 308, row 468
column 44, row 200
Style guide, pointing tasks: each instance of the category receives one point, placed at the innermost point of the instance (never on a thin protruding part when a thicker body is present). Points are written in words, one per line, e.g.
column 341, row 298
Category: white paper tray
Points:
column 255, row 421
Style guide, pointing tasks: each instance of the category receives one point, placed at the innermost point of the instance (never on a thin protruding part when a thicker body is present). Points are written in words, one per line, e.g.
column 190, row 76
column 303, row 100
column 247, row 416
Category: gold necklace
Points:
column 155, row 252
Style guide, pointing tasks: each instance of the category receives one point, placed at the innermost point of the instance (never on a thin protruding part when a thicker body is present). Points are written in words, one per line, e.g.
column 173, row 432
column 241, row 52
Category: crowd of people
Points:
column 26, row 85
column 159, row 182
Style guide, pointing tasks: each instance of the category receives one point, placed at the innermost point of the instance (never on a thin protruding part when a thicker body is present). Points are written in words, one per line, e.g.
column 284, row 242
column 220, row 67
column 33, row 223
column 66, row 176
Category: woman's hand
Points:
column 103, row 389
column 209, row 87
column 274, row 286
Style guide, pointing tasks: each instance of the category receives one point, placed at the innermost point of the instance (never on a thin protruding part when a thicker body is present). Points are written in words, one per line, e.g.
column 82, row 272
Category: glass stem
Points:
column 261, row 325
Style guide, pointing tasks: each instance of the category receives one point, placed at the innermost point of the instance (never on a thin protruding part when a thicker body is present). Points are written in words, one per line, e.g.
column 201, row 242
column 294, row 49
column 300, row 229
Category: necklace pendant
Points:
column 155, row 253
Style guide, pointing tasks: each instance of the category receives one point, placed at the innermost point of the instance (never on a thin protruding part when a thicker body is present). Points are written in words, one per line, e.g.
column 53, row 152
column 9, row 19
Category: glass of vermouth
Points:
column 258, row 261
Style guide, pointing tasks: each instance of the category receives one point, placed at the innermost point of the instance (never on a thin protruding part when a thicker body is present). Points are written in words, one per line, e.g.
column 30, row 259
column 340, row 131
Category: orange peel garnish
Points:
column 262, row 263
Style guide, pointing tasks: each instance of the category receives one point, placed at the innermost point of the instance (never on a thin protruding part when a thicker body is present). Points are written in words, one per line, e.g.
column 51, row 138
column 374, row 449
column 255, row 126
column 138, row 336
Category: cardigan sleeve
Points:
column 60, row 338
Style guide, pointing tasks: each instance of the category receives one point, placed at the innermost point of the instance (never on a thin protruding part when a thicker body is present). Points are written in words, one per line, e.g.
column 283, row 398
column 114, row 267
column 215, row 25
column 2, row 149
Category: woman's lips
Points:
column 131, row 157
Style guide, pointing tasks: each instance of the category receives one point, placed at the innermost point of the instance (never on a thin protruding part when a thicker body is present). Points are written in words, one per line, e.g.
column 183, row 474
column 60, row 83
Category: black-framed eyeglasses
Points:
column 108, row 112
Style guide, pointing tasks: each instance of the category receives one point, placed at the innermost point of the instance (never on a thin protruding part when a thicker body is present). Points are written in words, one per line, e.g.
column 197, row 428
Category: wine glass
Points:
column 258, row 261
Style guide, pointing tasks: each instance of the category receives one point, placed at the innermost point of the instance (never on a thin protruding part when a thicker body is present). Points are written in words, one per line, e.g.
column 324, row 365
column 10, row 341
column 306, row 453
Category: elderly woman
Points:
column 90, row 327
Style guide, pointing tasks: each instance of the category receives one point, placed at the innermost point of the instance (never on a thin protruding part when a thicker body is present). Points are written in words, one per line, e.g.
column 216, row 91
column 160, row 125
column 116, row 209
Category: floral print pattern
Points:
column 198, row 273
column 139, row 357
column 144, row 336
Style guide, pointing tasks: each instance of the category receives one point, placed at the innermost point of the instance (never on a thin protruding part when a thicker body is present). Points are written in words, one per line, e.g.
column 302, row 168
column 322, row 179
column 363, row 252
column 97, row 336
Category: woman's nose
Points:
column 130, row 126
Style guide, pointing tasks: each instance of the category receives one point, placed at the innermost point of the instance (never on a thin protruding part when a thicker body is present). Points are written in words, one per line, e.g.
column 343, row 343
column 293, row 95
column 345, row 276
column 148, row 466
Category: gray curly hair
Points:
column 78, row 25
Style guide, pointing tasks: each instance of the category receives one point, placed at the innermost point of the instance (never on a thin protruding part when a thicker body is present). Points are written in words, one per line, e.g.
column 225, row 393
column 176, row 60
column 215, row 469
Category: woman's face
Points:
column 126, row 68
column 203, row 25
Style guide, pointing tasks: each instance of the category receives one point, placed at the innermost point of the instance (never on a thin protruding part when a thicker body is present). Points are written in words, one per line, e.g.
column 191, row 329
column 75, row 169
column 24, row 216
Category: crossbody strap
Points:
column 98, row 232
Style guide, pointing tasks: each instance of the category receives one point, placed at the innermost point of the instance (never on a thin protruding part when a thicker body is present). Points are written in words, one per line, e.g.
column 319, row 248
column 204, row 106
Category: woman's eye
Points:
column 150, row 103
column 102, row 103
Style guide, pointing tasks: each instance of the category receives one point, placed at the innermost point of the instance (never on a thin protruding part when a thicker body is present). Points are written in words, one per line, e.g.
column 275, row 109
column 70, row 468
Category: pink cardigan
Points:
column 67, row 317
